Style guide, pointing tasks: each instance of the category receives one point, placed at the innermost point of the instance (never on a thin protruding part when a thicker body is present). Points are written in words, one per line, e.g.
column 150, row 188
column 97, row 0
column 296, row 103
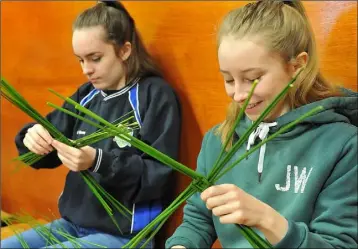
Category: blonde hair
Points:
column 285, row 29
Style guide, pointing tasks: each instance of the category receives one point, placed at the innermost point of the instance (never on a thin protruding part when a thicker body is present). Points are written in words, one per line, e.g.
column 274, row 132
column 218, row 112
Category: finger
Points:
column 65, row 149
column 219, row 200
column 37, row 139
column 33, row 146
column 28, row 145
column 217, row 190
column 45, row 135
column 67, row 162
column 244, row 217
column 225, row 209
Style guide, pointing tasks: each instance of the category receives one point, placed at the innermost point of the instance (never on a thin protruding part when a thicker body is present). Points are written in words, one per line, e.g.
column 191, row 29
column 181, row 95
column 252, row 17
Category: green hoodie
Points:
column 309, row 176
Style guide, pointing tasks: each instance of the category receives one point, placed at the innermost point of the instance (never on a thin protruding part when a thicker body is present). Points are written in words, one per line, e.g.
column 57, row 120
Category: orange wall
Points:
column 36, row 54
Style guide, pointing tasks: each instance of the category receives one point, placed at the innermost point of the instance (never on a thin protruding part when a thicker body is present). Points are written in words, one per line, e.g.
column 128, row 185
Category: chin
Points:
column 253, row 117
column 99, row 86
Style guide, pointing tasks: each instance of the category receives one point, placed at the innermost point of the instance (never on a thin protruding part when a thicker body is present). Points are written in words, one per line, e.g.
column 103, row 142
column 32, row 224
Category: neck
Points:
column 121, row 83
column 277, row 112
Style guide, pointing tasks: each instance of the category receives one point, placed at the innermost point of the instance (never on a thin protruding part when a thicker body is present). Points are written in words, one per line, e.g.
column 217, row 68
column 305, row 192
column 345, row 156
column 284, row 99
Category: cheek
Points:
column 270, row 86
column 229, row 90
column 112, row 68
column 118, row 67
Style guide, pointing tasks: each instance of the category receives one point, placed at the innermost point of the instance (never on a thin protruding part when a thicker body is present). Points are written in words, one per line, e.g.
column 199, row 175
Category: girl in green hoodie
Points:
column 300, row 189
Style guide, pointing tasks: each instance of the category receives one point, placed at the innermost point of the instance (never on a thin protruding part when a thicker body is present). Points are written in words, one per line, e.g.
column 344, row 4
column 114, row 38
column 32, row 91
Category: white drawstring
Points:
column 261, row 131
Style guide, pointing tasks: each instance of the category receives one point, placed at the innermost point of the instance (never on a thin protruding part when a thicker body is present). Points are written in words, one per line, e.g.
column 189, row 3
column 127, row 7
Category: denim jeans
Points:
column 84, row 238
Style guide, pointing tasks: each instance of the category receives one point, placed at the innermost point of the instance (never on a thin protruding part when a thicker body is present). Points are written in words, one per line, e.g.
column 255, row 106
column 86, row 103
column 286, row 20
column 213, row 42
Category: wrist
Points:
column 273, row 225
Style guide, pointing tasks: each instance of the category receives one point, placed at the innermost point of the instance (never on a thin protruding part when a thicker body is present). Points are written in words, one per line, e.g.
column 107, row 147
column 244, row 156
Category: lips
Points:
column 94, row 79
column 252, row 105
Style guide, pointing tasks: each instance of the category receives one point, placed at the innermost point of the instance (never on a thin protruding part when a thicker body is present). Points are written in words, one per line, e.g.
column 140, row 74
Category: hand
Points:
column 38, row 140
column 75, row 159
column 234, row 206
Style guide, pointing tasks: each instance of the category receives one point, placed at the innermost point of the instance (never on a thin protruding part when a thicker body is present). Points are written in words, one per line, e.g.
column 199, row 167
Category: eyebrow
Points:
column 90, row 54
column 243, row 71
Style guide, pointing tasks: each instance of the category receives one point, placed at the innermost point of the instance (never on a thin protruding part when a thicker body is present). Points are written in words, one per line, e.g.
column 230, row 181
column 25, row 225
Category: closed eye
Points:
column 229, row 81
column 252, row 80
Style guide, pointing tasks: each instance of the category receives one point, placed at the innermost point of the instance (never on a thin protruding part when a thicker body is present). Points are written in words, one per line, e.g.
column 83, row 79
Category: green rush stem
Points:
column 102, row 201
column 36, row 116
column 14, row 97
column 39, row 228
column 17, row 234
column 95, row 192
column 248, row 237
column 239, row 143
column 187, row 193
column 283, row 129
column 68, row 236
column 215, row 168
column 261, row 243
column 154, row 233
column 120, row 207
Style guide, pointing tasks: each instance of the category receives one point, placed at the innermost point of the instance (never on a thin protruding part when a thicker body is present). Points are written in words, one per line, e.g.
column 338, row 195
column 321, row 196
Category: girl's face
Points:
column 100, row 62
column 243, row 61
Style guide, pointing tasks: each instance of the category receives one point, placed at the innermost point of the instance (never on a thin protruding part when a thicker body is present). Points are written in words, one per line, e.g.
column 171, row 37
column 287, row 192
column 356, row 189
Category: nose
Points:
column 240, row 92
column 87, row 69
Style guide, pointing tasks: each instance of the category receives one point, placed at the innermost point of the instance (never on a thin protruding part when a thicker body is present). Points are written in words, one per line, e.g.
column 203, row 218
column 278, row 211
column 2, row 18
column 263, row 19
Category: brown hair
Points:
column 120, row 28
column 286, row 30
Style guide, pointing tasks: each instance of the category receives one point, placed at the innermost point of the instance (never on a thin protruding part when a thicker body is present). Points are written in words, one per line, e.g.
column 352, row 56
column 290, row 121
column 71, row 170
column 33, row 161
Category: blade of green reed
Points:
column 12, row 95
column 237, row 121
column 119, row 206
column 161, row 218
column 245, row 136
column 18, row 235
column 103, row 202
column 39, row 228
column 280, row 131
column 62, row 231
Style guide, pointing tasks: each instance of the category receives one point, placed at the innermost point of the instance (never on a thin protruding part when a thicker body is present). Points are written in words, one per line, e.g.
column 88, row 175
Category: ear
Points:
column 299, row 62
column 125, row 51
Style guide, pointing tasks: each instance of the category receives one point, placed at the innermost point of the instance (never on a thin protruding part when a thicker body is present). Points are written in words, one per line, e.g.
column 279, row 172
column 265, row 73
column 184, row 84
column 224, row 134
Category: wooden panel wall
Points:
column 36, row 54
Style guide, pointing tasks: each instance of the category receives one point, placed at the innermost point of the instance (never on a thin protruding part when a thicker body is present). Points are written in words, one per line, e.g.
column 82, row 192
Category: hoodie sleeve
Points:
column 139, row 177
column 63, row 122
column 197, row 229
column 334, row 222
